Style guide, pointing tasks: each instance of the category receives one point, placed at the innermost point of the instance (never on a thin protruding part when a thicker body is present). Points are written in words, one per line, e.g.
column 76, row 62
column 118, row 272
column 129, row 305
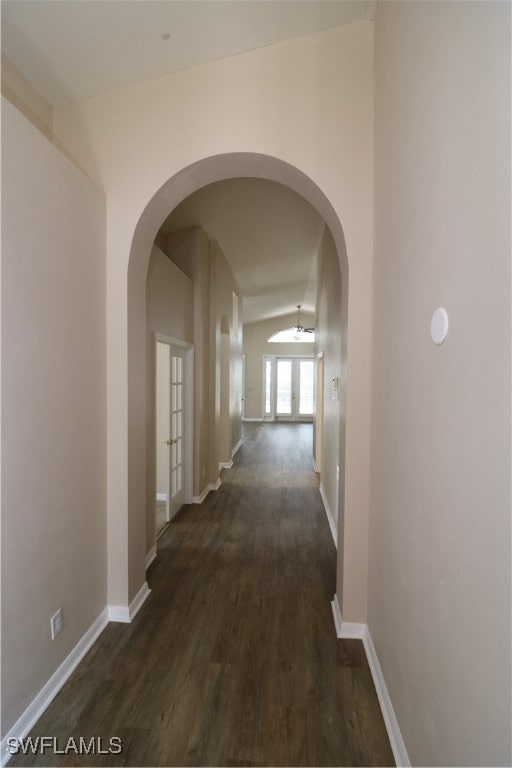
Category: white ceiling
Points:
column 74, row 49
column 269, row 235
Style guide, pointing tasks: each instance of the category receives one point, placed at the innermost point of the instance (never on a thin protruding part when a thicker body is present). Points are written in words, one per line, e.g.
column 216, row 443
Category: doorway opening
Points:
column 128, row 468
column 289, row 388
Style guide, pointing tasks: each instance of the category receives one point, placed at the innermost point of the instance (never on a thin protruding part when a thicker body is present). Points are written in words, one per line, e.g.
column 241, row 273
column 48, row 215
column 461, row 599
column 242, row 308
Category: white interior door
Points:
column 174, row 413
column 176, row 425
column 162, row 407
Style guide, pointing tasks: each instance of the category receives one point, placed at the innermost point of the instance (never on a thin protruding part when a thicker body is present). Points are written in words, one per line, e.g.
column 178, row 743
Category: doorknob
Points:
column 170, row 442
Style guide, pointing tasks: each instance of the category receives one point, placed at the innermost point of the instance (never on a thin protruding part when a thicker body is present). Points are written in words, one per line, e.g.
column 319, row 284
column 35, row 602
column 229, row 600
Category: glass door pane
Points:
column 268, row 387
column 176, row 431
column 306, row 370
column 284, row 388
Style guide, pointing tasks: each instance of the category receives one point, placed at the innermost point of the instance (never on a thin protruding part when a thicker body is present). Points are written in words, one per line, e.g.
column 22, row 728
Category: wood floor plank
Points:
column 233, row 659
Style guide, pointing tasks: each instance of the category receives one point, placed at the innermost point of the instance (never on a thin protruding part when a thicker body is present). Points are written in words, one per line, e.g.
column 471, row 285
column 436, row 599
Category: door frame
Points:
column 270, row 415
column 319, row 412
column 188, row 412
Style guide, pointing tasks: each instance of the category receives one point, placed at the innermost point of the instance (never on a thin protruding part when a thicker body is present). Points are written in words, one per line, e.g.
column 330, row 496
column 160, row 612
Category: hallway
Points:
column 233, row 660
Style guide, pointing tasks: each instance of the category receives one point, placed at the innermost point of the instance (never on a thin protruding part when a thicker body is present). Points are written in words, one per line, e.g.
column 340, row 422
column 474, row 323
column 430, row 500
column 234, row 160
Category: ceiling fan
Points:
column 300, row 328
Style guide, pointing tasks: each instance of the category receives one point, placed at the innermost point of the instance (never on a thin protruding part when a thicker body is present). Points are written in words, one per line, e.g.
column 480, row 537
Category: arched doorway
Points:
column 127, row 563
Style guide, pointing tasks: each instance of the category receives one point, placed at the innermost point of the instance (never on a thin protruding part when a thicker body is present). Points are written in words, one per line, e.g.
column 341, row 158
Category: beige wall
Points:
column 170, row 310
column 439, row 567
column 221, row 307
column 256, row 345
column 213, row 286
column 439, row 577
column 307, row 122
column 54, row 545
column 190, row 250
column 170, row 299
column 328, row 341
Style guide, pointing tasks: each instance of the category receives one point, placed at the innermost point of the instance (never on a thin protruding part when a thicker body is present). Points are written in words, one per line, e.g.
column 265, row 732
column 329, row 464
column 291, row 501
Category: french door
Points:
column 174, row 417
column 292, row 387
column 176, row 471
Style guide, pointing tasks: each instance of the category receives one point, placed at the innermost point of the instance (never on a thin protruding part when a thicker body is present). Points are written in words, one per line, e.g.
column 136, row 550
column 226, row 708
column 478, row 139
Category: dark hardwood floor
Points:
column 233, row 660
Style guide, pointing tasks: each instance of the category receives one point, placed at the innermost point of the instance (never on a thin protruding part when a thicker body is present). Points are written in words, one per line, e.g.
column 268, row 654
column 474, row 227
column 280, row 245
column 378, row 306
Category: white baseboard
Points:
column 330, row 518
column 202, row 496
column 246, row 419
column 126, row 613
column 345, row 629
column 225, row 464
column 237, row 446
column 161, row 497
column 388, row 713
column 336, row 615
column 48, row 692
column 150, row 556
column 211, row 487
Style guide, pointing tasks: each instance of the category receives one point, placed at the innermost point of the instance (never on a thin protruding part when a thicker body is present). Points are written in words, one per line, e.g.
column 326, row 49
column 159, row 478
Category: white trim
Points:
column 247, row 419
column 314, row 465
column 139, row 600
column 237, row 446
column 330, row 518
column 243, row 386
column 272, row 359
column 225, row 464
column 119, row 613
column 161, row 497
column 150, row 556
column 388, row 713
column 172, row 340
column 351, row 631
column 336, row 615
column 346, row 629
column 211, row 487
column 50, row 689
column 188, row 416
column 202, row 496
column 126, row 614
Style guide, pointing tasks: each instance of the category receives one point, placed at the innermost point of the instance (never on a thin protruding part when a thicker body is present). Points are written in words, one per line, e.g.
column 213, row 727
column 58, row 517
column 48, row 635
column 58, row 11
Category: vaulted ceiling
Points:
column 269, row 235
column 75, row 49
